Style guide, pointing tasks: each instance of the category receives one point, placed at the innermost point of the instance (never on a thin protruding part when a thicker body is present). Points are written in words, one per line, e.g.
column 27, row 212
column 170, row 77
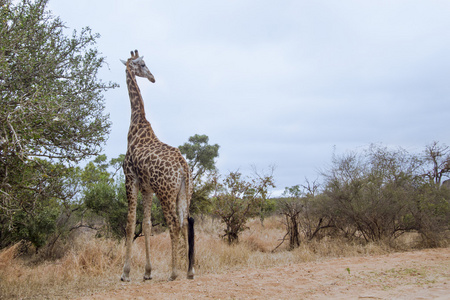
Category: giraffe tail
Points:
column 191, row 240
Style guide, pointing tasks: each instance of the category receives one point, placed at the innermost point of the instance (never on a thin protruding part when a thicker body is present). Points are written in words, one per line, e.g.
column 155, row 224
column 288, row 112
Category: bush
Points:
column 381, row 194
column 237, row 199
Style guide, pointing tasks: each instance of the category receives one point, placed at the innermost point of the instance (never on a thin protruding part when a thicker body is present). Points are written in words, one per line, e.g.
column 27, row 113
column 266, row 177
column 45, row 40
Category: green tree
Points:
column 263, row 179
column 432, row 210
column 436, row 162
column 382, row 193
column 201, row 158
column 290, row 207
column 104, row 194
column 300, row 206
column 51, row 113
column 50, row 191
column 370, row 194
column 237, row 199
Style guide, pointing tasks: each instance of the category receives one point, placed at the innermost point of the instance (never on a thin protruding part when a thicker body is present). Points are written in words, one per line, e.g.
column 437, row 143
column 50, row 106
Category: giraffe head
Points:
column 137, row 67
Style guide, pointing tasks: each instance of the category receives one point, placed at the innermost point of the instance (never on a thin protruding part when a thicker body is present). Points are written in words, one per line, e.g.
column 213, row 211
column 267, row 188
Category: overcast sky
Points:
column 278, row 82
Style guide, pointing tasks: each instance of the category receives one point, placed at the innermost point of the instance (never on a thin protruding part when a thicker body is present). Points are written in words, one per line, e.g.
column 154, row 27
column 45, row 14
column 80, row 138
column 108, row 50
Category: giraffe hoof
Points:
column 125, row 278
column 172, row 277
column 147, row 277
column 190, row 274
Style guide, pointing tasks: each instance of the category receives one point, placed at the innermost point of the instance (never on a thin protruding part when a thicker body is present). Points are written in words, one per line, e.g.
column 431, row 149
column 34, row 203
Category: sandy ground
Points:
column 409, row 275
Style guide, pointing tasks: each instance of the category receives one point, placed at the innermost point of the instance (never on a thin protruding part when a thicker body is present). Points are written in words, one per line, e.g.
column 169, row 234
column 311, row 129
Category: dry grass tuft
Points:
column 92, row 257
column 77, row 271
column 8, row 255
column 263, row 237
column 93, row 264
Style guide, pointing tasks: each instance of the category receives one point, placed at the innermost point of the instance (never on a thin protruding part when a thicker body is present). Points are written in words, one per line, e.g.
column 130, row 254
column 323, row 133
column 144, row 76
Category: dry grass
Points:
column 93, row 264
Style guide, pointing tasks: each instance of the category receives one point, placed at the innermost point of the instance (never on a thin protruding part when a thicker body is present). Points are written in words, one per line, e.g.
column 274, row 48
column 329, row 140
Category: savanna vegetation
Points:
column 62, row 224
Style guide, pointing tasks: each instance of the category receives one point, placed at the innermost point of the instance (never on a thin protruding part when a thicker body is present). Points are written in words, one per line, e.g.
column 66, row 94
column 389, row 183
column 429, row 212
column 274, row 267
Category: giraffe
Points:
column 153, row 167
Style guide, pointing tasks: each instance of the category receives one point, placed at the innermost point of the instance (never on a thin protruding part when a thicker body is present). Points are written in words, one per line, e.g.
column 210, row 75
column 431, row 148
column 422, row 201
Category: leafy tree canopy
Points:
column 201, row 158
column 237, row 199
column 200, row 155
column 51, row 106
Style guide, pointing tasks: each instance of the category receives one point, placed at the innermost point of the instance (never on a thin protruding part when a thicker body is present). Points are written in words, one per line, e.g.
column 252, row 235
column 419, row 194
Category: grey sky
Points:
column 278, row 82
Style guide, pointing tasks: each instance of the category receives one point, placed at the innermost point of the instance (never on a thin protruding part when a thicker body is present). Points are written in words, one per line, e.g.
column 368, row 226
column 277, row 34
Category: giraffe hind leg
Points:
column 187, row 228
column 174, row 230
column 168, row 205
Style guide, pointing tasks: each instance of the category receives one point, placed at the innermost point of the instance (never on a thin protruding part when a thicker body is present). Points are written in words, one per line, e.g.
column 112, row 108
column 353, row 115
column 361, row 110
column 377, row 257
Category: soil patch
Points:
column 421, row 274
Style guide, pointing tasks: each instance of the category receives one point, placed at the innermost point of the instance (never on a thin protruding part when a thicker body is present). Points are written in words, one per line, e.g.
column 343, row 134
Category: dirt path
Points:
column 410, row 275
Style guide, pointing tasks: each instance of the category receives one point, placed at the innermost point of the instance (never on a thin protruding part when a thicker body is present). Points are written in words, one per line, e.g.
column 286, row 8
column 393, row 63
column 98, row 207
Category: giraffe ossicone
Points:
column 153, row 167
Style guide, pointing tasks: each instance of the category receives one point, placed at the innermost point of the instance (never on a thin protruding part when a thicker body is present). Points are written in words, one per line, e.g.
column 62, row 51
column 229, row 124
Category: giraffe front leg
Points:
column 131, row 189
column 147, row 228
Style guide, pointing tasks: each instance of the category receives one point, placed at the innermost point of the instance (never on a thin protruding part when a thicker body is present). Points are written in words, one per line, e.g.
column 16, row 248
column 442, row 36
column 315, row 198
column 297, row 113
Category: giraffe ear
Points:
column 124, row 62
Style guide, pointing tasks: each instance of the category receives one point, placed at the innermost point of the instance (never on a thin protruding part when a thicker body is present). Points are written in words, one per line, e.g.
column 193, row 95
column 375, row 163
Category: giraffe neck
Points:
column 137, row 110
column 137, row 104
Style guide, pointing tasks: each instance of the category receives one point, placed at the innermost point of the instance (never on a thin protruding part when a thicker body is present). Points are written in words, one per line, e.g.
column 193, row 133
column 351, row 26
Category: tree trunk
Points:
column 294, row 235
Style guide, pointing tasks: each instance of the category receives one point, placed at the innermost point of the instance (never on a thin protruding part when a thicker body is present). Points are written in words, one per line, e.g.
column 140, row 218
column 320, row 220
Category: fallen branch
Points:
column 282, row 241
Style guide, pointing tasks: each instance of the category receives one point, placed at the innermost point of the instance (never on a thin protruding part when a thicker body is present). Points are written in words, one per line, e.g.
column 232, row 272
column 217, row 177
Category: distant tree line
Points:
column 376, row 195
